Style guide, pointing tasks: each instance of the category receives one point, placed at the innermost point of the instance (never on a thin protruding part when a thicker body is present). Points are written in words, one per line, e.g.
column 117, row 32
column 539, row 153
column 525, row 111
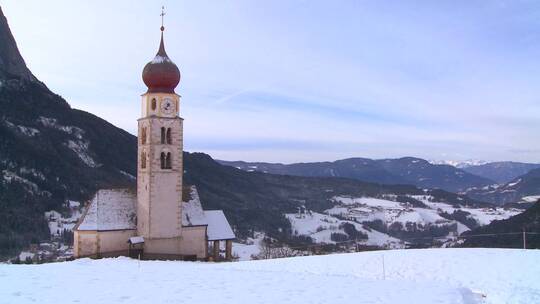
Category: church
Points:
column 163, row 218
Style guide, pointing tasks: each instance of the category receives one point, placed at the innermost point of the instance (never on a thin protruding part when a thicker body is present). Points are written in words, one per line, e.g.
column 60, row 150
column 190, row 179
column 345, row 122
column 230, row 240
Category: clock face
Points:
column 167, row 106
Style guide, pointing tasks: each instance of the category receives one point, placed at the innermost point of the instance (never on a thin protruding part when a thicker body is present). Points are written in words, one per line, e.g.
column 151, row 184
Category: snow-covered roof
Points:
column 136, row 240
column 115, row 209
column 218, row 226
column 192, row 212
column 194, row 215
column 111, row 209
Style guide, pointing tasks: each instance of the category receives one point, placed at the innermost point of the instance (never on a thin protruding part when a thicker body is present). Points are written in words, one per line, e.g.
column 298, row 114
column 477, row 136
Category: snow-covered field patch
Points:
column 483, row 216
column 530, row 199
column 452, row 276
column 321, row 226
column 412, row 219
column 250, row 248
column 368, row 209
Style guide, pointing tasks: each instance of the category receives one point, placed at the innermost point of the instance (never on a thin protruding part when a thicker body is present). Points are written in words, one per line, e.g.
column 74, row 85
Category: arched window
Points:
column 162, row 135
column 168, row 164
column 162, row 159
column 143, row 136
column 154, row 104
column 143, row 160
column 169, row 137
column 166, row 161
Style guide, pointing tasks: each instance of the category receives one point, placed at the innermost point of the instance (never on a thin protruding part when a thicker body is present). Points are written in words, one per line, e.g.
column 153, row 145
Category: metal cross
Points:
column 162, row 14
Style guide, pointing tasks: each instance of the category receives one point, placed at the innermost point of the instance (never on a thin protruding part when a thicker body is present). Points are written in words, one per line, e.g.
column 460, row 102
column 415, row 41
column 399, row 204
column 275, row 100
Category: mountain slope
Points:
column 524, row 186
column 424, row 174
column 12, row 64
column 528, row 220
column 407, row 170
column 501, row 172
column 49, row 152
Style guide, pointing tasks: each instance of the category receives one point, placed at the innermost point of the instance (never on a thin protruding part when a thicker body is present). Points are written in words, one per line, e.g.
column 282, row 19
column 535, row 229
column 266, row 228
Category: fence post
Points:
column 383, row 268
column 524, row 239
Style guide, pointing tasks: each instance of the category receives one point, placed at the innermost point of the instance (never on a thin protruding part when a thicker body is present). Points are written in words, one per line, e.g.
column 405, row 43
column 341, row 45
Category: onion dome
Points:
column 161, row 75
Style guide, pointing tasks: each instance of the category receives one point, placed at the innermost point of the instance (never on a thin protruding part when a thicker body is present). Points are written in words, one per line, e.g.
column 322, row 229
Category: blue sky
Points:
column 290, row 81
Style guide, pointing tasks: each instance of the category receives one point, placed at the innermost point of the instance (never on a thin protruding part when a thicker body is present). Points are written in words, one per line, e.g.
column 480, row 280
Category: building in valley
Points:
column 163, row 218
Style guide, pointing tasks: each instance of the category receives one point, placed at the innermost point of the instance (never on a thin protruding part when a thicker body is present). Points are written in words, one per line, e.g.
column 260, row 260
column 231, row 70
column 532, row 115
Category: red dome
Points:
column 161, row 75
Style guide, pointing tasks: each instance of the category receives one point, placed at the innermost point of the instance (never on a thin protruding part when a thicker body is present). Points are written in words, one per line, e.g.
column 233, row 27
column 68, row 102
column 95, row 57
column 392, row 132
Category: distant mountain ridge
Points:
column 502, row 172
column 511, row 192
column 406, row 170
column 461, row 164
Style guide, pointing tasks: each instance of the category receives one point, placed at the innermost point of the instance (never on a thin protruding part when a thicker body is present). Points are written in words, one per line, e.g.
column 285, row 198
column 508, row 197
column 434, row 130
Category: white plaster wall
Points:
column 114, row 241
column 84, row 243
column 92, row 243
column 168, row 246
column 194, row 241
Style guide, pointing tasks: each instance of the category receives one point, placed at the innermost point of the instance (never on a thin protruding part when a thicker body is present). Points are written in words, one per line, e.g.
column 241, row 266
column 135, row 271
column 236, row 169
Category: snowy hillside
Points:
column 389, row 223
column 515, row 191
column 453, row 276
column 460, row 163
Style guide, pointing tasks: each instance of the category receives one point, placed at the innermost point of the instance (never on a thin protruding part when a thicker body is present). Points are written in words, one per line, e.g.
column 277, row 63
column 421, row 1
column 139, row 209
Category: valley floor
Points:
column 455, row 276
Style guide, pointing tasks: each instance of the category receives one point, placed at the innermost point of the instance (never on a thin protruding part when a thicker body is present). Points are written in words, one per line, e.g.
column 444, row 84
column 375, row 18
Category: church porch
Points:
column 220, row 250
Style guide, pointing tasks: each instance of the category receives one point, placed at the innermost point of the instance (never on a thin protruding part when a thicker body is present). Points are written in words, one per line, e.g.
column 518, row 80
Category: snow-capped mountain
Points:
column 461, row 164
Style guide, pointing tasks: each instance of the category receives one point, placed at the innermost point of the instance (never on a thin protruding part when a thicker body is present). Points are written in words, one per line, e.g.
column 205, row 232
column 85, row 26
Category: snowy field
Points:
column 457, row 276
column 321, row 226
column 366, row 209
column 357, row 210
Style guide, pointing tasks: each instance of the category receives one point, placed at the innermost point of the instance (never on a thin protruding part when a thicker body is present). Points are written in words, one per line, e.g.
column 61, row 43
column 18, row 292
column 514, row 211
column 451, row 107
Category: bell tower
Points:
column 160, row 163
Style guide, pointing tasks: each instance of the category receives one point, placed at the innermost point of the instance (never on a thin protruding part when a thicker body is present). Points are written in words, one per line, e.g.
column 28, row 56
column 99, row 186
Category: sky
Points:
column 301, row 81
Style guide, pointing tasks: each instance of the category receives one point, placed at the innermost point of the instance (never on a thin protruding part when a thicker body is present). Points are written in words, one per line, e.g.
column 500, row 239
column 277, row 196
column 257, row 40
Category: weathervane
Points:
column 162, row 15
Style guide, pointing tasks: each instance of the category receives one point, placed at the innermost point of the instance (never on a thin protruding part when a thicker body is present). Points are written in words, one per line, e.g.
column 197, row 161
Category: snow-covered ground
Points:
column 321, row 226
column 247, row 250
column 483, row 216
column 530, row 199
column 358, row 210
column 457, row 276
column 387, row 210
